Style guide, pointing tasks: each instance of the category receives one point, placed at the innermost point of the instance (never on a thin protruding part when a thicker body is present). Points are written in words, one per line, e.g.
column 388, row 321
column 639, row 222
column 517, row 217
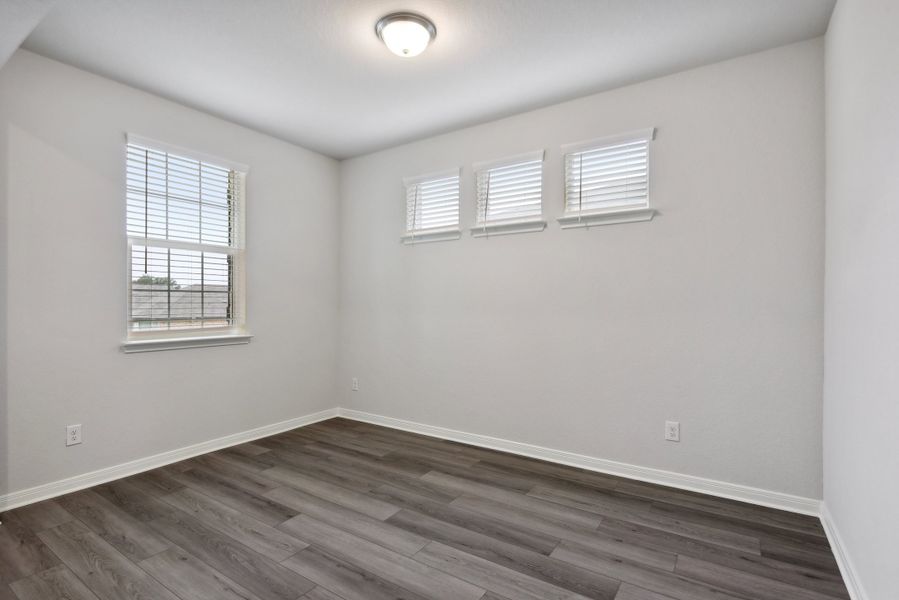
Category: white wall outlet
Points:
column 73, row 435
column 672, row 431
column 355, row 384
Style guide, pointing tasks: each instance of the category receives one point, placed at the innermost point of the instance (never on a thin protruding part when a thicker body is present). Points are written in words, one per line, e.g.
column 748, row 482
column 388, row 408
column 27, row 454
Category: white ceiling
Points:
column 17, row 19
column 313, row 72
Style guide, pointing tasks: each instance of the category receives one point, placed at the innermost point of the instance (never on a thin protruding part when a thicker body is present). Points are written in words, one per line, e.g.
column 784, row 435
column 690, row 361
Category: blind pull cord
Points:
column 486, row 201
column 580, row 188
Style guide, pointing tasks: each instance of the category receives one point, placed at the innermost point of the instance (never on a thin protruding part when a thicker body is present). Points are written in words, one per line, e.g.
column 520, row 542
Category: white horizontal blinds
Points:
column 185, row 239
column 432, row 204
column 608, row 176
column 179, row 199
column 511, row 192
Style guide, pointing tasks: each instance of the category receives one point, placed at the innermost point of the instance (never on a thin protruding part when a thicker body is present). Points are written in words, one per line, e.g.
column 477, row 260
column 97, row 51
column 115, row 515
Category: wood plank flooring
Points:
column 342, row 510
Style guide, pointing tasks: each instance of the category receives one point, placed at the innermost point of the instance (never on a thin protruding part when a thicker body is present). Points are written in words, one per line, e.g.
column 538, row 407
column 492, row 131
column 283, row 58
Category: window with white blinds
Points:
column 432, row 203
column 608, row 174
column 185, row 237
column 510, row 190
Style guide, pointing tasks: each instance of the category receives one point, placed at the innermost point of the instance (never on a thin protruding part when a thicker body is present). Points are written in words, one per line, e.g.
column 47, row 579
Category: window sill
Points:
column 509, row 227
column 438, row 235
column 609, row 217
column 177, row 343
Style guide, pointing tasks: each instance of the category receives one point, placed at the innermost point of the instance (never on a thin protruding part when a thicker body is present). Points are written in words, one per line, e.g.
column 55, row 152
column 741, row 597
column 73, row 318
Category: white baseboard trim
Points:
column 80, row 482
column 723, row 489
column 847, row 569
column 692, row 483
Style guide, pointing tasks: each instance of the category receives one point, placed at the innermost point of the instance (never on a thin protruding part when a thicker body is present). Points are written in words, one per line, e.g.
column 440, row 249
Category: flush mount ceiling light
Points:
column 405, row 34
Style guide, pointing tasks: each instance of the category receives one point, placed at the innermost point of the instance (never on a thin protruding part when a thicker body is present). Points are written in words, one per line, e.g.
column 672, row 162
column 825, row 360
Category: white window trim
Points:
column 607, row 217
column 136, row 341
column 431, row 235
column 506, row 227
column 611, row 216
column 647, row 134
column 407, row 181
column 509, row 160
column 140, row 140
column 442, row 234
column 192, row 341
column 511, row 226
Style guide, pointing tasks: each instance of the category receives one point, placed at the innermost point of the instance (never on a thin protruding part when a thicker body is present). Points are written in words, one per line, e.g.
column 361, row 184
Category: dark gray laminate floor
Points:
column 345, row 510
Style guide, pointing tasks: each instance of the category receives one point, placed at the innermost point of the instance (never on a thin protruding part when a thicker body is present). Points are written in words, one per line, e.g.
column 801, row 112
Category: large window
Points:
column 607, row 180
column 432, row 207
column 186, row 243
column 510, row 195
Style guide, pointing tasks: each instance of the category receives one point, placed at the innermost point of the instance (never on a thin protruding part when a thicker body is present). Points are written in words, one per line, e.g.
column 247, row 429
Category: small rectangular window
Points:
column 185, row 232
column 432, row 207
column 606, row 176
column 510, row 195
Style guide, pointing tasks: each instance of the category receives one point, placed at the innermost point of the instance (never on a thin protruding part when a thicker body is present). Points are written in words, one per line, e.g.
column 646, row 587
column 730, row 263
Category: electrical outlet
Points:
column 73, row 435
column 672, row 431
column 355, row 384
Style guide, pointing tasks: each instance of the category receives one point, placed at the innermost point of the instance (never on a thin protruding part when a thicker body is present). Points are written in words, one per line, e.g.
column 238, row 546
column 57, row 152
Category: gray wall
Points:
column 861, row 410
column 588, row 340
column 4, row 251
column 64, row 163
